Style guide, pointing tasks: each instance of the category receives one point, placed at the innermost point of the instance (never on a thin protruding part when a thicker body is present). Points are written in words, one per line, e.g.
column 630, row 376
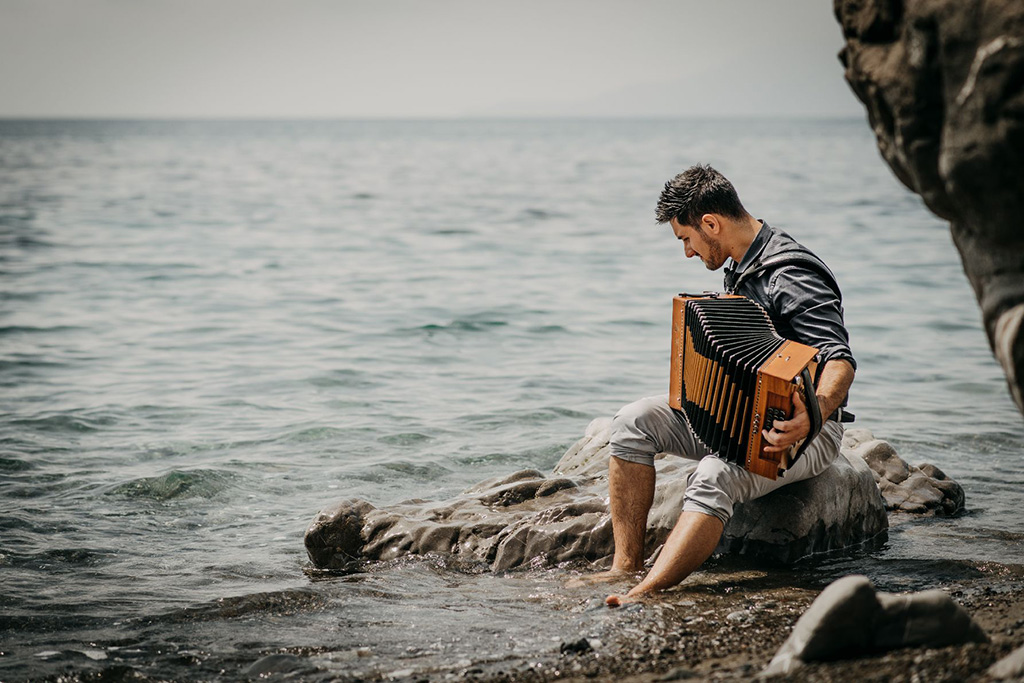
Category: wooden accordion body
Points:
column 732, row 375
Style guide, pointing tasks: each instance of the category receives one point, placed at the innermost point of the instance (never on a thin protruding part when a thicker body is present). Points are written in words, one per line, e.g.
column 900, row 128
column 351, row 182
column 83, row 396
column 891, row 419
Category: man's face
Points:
column 700, row 243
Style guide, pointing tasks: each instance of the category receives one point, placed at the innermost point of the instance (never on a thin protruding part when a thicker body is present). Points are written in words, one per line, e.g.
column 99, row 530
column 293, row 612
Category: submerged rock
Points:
column 941, row 82
column 849, row 619
column 529, row 518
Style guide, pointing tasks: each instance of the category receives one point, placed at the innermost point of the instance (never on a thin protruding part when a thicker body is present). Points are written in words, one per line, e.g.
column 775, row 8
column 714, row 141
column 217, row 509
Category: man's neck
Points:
column 742, row 236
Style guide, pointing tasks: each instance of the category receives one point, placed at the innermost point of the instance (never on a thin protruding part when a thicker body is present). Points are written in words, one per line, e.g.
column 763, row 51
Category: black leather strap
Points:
column 813, row 412
column 781, row 260
column 842, row 415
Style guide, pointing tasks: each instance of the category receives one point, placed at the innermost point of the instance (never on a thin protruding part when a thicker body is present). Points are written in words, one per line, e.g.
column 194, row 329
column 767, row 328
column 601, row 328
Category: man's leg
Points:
column 631, row 493
column 639, row 431
column 693, row 539
column 714, row 487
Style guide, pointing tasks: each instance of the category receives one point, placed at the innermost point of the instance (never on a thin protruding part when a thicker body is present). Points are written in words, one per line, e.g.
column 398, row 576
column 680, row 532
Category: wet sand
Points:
column 726, row 624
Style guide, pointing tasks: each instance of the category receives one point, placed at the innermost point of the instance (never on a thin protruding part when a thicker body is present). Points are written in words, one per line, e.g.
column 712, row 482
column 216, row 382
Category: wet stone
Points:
column 576, row 647
column 920, row 489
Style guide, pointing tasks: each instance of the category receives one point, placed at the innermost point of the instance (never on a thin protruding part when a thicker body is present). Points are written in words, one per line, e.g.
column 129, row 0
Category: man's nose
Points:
column 690, row 253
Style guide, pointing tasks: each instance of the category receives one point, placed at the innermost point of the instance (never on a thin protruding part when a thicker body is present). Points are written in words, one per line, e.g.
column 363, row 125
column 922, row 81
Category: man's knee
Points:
column 712, row 488
column 639, row 414
column 633, row 430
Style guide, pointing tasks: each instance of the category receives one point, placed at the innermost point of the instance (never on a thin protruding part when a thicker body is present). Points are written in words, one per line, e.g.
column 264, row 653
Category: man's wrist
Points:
column 827, row 405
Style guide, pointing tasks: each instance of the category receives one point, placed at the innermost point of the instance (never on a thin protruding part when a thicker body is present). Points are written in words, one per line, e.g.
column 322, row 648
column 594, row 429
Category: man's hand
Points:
column 833, row 385
column 785, row 433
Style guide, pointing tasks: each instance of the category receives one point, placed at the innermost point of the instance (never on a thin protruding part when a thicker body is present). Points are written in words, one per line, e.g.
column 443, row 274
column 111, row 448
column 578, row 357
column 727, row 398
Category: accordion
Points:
column 732, row 376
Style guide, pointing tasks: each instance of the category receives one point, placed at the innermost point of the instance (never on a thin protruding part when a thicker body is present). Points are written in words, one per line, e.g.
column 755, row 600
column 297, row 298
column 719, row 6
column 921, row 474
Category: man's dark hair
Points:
column 696, row 191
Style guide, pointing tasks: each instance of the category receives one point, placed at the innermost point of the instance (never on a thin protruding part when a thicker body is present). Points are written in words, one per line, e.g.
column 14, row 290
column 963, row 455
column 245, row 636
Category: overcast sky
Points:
column 420, row 58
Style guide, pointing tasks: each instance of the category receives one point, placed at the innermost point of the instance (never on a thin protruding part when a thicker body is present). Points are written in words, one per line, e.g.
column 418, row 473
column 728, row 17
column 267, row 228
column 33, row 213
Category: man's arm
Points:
column 833, row 385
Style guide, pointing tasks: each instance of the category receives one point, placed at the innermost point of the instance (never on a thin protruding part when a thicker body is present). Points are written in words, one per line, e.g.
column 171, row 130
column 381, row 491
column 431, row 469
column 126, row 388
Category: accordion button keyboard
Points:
column 771, row 415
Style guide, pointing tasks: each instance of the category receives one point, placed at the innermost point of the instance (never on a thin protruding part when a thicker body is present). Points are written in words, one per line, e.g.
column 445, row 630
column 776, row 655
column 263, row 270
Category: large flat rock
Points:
column 535, row 519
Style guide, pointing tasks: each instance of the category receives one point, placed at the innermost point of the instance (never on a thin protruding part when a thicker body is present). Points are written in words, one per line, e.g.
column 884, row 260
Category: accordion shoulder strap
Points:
column 796, row 257
column 788, row 258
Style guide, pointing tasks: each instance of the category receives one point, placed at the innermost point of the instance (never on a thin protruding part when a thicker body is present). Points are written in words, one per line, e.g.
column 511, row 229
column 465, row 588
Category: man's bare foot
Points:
column 609, row 576
column 636, row 594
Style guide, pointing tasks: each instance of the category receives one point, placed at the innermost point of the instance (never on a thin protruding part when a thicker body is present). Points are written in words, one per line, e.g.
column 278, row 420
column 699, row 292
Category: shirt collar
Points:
column 733, row 269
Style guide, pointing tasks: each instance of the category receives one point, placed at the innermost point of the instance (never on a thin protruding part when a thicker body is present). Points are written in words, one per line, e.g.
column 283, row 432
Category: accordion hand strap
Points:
column 813, row 412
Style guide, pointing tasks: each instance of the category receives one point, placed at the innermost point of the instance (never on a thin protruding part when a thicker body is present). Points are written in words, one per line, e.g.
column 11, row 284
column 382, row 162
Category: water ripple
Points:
column 177, row 484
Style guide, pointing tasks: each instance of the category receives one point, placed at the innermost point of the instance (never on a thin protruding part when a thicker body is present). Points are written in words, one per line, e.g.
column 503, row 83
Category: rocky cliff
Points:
column 943, row 83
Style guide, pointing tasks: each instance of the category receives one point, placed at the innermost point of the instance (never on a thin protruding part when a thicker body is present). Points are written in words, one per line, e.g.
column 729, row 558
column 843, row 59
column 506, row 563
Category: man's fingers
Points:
column 778, row 440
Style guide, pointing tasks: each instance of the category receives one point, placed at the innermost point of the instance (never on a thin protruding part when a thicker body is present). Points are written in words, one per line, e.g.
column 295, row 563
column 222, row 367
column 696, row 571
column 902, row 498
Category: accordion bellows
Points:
column 732, row 375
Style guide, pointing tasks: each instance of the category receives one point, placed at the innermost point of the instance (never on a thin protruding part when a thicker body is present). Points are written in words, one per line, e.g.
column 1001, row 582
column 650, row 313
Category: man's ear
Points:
column 711, row 222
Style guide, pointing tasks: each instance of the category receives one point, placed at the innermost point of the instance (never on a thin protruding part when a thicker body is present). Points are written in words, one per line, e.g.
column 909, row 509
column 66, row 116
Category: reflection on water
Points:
column 210, row 330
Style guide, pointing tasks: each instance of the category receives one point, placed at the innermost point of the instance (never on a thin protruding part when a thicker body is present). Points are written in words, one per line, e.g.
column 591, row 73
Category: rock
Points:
column 941, row 82
column 831, row 628
column 520, row 519
column 925, row 619
column 920, row 489
column 576, row 647
column 850, row 619
column 528, row 518
column 1010, row 666
column 838, row 509
column 335, row 538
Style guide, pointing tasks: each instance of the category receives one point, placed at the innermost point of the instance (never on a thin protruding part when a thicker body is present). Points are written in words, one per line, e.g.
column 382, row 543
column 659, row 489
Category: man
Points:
column 803, row 300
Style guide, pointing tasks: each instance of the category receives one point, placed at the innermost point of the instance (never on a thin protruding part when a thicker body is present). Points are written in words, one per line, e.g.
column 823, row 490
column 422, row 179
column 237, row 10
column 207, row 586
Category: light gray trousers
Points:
column 649, row 426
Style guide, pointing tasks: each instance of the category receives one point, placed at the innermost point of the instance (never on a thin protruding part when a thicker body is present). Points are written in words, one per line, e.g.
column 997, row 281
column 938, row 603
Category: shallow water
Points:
column 209, row 330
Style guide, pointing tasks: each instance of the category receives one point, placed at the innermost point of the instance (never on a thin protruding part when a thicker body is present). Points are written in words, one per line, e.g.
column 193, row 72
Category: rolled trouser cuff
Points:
column 644, row 428
column 639, row 458
column 697, row 506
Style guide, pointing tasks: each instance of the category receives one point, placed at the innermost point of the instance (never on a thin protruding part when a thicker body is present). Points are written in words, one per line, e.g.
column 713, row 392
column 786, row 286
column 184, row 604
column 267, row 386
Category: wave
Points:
column 29, row 329
column 313, row 434
column 277, row 603
column 19, row 361
column 522, row 417
column 66, row 422
column 59, row 558
column 461, row 325
column 345, row 377
column 9, row 464
column 176, row 484
column 405, row 439
column 547, row 329
column 531, row 214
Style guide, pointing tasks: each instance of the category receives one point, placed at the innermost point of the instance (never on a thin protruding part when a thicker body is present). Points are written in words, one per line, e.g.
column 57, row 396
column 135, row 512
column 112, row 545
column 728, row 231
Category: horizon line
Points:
column 453, row 118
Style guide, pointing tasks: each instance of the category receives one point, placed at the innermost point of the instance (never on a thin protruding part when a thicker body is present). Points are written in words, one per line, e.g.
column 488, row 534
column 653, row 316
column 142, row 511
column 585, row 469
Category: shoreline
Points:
column 727, row 623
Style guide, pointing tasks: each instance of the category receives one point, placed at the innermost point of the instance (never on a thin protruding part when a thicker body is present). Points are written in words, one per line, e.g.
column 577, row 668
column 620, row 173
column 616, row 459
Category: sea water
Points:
column 210, row 330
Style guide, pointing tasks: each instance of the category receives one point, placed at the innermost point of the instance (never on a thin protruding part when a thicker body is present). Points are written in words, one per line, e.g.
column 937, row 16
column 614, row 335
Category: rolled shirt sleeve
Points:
column 812, row 310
